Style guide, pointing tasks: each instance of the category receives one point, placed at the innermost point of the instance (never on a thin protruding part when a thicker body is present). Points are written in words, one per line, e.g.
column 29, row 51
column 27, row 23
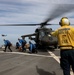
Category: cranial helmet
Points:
column 64, row 21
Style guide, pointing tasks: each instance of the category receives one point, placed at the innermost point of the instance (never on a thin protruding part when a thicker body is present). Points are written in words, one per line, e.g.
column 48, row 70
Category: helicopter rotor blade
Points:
column 58, row 11
column 21, row 24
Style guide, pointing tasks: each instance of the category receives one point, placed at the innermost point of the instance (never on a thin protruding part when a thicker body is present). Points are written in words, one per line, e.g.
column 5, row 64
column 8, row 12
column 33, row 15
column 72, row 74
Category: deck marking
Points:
column 51, row 55
column 57, row 59
column 26, row 54
column 54, row 56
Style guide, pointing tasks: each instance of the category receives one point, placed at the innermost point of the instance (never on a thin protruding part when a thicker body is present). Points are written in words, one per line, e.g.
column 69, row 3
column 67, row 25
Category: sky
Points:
column 30, row 12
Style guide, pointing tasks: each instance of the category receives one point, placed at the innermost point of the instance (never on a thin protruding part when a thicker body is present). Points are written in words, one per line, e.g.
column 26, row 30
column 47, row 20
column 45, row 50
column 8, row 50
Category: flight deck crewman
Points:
column 7, row 44
column 17, row 45
column 22, row 43
column 65, row 35
column 32, row 47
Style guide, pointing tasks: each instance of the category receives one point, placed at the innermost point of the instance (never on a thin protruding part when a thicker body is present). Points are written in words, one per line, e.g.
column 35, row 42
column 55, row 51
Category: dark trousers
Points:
column 23, row 48
column 8, row 47
column 67, row 60
column 34, row 50
column 17, row 47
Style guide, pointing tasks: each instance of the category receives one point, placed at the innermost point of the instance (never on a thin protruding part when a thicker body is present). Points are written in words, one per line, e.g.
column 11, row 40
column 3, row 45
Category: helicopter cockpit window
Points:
column 41, row 34
column 47, row 33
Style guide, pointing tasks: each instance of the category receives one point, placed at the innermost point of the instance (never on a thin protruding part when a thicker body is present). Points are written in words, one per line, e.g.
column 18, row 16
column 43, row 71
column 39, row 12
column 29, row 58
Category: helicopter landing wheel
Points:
column 55, row 46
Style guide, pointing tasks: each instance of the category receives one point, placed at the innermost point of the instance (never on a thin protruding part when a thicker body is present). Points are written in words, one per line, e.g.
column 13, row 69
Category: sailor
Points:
column 7, row 44
column 22, row 44
column 65, row 35
column 32, row 47
column 17, row 45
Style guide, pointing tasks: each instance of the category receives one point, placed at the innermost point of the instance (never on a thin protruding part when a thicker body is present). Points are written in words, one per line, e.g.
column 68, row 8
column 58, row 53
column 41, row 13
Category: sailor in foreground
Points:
column 65, row 35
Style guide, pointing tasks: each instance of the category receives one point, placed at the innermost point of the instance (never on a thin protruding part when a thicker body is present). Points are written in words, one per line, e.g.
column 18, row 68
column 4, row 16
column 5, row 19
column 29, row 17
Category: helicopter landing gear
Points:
column 55, row 46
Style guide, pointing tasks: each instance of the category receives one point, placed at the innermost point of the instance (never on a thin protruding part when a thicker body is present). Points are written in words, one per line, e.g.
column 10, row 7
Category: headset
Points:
column 64, row 21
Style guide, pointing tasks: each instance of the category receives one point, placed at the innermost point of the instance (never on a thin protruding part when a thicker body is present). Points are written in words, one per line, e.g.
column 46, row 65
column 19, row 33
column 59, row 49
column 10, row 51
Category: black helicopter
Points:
column 43, row 37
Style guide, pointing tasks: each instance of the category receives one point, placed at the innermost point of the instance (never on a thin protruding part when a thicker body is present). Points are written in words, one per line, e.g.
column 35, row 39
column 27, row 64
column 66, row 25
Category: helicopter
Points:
column 42, row 37
column 42, row 34
column 3, row 35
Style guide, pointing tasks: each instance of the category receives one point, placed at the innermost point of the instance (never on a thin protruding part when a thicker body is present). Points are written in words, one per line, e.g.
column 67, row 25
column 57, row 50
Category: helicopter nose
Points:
column 45, row 40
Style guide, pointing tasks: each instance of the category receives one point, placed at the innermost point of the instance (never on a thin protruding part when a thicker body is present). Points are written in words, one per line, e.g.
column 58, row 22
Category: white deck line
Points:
column 57, row 59
column 26, row 54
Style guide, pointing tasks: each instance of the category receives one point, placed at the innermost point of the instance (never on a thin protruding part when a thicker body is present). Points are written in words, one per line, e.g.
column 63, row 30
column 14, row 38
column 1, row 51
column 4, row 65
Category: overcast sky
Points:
column 28, row 12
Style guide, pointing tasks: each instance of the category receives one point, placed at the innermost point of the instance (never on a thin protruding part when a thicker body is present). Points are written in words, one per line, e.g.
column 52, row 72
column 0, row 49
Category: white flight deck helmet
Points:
column 64, row 21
